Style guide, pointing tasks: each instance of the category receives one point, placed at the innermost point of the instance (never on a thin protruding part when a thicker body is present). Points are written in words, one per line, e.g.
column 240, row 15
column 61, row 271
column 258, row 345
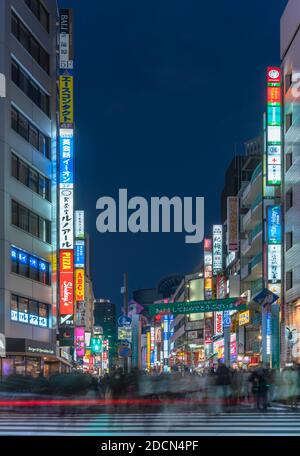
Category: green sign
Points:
column 96, row 344
column 188, row 307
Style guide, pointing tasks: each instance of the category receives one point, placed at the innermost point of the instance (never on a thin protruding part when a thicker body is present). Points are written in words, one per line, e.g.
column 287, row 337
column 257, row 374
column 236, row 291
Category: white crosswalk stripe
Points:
column 151, row 424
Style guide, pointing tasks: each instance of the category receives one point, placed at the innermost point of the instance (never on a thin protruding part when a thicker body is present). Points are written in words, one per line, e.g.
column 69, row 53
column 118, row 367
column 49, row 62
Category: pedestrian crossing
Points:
column 152, row 424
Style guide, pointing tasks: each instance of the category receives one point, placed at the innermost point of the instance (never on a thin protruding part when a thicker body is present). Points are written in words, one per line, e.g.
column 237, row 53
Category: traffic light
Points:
column 96, row 344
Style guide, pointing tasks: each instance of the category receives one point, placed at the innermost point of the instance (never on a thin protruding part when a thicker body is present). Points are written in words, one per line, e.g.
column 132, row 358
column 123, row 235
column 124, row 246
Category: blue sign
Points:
column 265, row 297
column 79, row 254
column 124, row 321
column 66, row 160
column 274, row 225
column 226, row 319
column 124, row 352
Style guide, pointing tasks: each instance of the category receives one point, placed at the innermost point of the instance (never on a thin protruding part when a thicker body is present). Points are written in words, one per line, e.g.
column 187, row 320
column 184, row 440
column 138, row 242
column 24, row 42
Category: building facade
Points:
column 28, row 191
column 289, row 47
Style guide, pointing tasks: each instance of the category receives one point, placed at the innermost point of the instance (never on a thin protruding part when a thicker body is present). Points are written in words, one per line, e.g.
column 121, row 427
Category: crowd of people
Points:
column 220, row 388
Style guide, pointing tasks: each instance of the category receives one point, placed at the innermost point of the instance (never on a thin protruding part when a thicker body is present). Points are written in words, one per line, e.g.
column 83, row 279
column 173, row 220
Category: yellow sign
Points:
column 66, row 108
column 79, row 284
column 244, row 318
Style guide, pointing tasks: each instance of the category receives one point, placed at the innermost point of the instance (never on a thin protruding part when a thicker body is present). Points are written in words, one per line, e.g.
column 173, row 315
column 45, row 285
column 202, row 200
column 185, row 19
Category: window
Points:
column 24, row 81
column 289, row 199
column 33, row 180
column 36, row 138
column 30, row 266
column 14, row 166
column 29, row 311
column 40, row 12
column 23, row 173
column 288, row 81
column 288, row 240
column 23, row 35
column 14, row 210
column 30, row 222
column 23, row 126
column 23, row 218
column 288, row 121
column 289, row 280
column 29, row 177
column 14, row 119
column 288, row 160
column 34, row 224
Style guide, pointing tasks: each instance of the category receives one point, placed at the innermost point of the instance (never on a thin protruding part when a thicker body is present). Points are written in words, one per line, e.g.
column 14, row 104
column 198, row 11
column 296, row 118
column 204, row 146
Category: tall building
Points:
column 28, row 191
column 105, row 316
column 290, row 55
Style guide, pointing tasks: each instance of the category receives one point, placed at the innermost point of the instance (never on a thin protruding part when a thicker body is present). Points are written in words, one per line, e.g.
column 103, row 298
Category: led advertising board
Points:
column 79, row 287
column 217, row 249
column 274, row 225
column 66, row 109
column 79, row 224
column 79, row 341
column 79, row 254
column 273, row 126
column 66, row 219
column 66, row 167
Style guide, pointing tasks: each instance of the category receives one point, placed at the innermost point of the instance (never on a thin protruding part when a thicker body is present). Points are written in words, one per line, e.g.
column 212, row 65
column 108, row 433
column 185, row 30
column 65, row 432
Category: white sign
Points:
column 79, row 224
column 217, row 249
column 274, row 263
column 218, row 323
column 66, row 219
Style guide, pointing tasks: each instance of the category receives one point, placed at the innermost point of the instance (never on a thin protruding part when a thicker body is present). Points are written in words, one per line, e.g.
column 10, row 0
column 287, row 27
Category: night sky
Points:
column 166, row 92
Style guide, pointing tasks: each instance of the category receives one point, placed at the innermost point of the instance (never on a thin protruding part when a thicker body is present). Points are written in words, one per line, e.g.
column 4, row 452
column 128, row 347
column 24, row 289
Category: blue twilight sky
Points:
column 166, row 91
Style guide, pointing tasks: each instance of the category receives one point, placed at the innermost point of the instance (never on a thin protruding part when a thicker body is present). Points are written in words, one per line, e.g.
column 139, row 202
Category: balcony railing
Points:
column 255, row 231
column 256, row 172
column 255, row 261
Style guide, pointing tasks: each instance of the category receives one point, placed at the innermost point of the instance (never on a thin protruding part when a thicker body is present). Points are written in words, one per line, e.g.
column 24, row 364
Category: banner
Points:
column 79, row 281
column 66, row 109
column 188, row 307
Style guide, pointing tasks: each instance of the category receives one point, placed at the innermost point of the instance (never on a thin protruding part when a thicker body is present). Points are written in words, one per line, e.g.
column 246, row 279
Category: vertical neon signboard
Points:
column 207, row 268
column 217, row 249
column 274, row 143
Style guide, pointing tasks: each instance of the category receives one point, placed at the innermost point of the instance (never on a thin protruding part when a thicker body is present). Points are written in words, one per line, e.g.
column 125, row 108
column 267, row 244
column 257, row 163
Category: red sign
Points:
column 66, row 305
column 273, row 74
column 66, row 260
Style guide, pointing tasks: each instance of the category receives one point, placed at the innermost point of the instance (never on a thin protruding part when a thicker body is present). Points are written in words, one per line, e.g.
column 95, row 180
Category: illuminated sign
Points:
column 66, row 280
column 273, row 126
column 79, row 254
column 268, row 333
column 79, row 341
column 217, row 249
column 244, row 318
column 66, row 219
column 66, row 111
column 65, row 39
column 66, row 261
column 274, row 263
column 233, row 223
column 79, row 280
column 66, row 166
column 218, row 317
column 207, row 268
column 79, row 224
column 226, row 319
column 274, row 225
column 124, row 333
